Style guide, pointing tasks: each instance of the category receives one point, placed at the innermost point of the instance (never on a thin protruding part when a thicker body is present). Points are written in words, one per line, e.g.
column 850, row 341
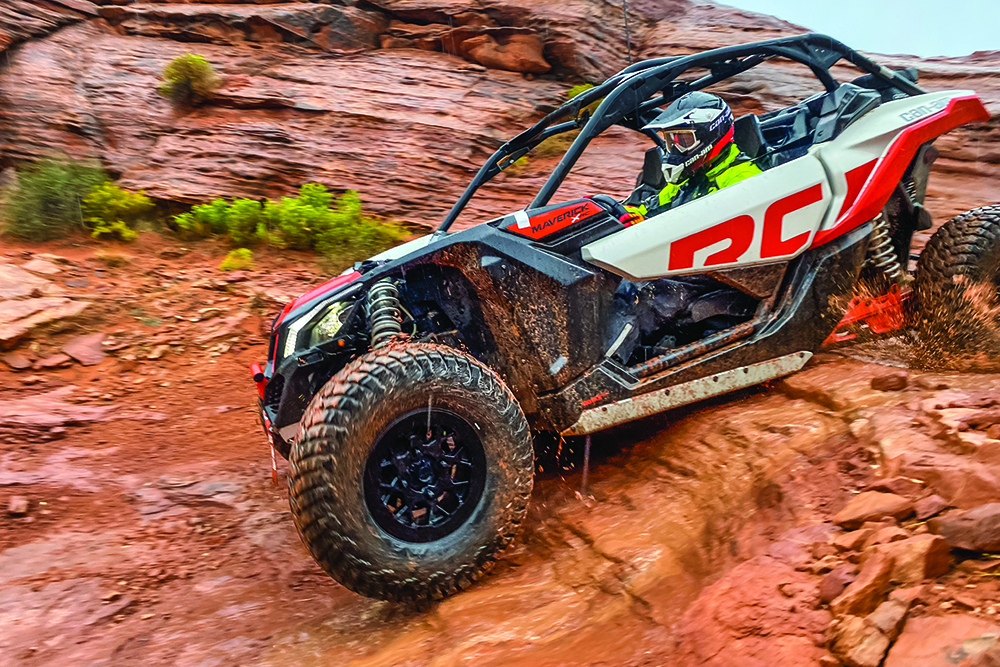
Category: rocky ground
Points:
column 845, row 515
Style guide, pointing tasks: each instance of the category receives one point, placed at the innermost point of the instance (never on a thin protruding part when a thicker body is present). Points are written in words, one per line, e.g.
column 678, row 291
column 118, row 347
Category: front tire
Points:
column 957, row 285
column 413, row 472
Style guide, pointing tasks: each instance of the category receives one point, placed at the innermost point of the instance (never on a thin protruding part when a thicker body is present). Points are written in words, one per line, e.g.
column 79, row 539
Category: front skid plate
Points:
column 598, row 419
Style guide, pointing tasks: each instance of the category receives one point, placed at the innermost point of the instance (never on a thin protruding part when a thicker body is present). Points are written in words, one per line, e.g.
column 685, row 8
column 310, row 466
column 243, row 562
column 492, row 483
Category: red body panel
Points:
column 316, row 292
column 543, row 224
column 891, row 166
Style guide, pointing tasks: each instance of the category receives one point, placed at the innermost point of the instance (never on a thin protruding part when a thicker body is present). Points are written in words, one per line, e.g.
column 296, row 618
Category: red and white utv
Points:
column 405, row 392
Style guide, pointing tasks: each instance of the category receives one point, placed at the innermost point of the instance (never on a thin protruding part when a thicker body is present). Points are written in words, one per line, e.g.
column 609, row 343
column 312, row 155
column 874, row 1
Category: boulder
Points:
column 890, row 382
column 518, row 53
column 872, row 506
column 41, row 266
column 18, row 318
column 901, row 486
column 57, row 360
column 859, row 643
column 16, row 361
column 834, row 582
column 885, row 536
column 17, row 506
column 977, row 529
column 866, row 592
column 889, row 617
column 86, row 349
column 942, row 641
column 927, row 507
column 853, row 540
column 16, row 283
column 915, row 559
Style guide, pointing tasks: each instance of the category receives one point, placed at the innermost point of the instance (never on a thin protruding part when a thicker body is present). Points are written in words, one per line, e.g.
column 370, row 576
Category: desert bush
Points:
column 189, row 79
column 204, row 219
column 47, row 200
column 246, row 222
column 577, row 89
column 313, row 220
column 110, row 211
column 237, row 260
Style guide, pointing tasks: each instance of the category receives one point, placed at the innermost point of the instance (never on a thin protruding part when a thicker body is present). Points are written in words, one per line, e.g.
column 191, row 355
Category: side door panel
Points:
column 770, row 217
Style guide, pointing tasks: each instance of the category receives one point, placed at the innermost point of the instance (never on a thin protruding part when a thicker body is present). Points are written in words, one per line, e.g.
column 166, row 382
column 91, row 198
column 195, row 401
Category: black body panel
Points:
column 819, row 285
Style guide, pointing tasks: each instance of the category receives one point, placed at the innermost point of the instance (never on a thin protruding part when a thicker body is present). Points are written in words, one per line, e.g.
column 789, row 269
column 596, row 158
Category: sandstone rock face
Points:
column 328, row 27
column 24, row 19
column 308, row 91
column 977, row 529
column 873, row 506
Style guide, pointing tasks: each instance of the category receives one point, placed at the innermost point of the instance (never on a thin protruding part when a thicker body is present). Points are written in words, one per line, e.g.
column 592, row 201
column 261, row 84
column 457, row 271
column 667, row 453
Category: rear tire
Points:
column 958, row 286
column 397, row 511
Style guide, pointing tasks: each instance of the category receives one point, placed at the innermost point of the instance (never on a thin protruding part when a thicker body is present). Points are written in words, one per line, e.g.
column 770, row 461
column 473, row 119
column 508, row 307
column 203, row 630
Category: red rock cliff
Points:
column 399, row 99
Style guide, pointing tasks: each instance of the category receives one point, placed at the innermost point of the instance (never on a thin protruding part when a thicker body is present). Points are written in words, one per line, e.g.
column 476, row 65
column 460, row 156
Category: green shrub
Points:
column 48, row 198
column 115, row 228
column 110, row 211
column 245, row 221
column 237, row 260
column 348, row 234
column 314, row 220
column 189, row 79
column 577, row 89
column 204, row 219
column 555, row 146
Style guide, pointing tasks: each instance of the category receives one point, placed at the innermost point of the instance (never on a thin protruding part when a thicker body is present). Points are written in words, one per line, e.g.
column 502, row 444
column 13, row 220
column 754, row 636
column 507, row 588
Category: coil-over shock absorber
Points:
column 383, row 312
column 881, row 254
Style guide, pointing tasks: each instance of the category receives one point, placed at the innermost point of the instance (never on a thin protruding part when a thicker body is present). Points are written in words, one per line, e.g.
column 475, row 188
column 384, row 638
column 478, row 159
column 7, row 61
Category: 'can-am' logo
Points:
column 924, row 110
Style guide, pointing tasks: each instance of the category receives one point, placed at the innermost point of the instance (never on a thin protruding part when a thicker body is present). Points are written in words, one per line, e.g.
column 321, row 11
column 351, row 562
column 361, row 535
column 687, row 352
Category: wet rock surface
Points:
column 708, row 536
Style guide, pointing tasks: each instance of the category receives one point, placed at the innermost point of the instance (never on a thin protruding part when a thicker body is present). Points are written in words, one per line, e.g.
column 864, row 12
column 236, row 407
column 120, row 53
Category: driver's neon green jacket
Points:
column 733, row 168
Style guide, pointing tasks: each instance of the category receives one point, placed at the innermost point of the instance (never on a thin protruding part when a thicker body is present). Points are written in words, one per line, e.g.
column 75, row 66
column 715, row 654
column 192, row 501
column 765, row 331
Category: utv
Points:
column 405, row 392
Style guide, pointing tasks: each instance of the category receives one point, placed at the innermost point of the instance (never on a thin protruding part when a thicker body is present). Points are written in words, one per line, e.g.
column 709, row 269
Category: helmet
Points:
column 694, row 128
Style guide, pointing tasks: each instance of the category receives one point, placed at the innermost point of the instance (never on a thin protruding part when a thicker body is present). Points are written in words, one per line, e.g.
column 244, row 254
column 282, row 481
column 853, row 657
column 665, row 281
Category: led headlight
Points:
column 331, row 319
column 330, row 323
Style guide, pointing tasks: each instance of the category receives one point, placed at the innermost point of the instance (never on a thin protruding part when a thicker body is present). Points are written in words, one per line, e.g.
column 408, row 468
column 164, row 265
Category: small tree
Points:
column 189, row 80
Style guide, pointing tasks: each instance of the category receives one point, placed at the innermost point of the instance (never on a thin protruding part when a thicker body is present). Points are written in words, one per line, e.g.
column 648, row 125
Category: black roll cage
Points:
column 625, row 97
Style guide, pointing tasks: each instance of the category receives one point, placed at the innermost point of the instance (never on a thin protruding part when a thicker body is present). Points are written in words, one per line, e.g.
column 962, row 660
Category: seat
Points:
column 748, row 136
column 650, row 180
column 652, row 171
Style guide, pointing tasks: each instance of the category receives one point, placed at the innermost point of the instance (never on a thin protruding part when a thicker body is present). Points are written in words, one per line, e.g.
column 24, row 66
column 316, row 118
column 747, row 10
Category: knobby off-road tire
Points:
column 344, row 431
column 958, row 285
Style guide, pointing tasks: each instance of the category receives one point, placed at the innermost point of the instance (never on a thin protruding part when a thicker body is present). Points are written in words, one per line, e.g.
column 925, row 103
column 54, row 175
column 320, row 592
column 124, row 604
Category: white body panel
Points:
column 712, row 232
column 870, row 138
column 643, row 251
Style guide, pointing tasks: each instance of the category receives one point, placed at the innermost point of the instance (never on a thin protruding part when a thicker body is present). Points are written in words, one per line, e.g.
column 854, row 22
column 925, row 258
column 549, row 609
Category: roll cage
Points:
column 627, row 97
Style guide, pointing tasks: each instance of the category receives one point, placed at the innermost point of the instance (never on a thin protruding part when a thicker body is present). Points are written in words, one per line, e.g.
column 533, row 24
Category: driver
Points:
column 697, row 154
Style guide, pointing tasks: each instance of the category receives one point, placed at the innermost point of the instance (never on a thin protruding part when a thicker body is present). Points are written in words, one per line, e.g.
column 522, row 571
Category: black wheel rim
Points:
column 425, row 475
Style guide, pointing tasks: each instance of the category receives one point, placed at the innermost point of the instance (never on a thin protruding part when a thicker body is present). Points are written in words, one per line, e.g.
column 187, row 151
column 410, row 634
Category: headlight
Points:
column 330, row 319
column 330, row 323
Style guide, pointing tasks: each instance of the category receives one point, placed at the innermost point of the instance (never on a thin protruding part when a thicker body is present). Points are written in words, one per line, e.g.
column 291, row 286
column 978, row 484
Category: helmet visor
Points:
column 680, row 141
